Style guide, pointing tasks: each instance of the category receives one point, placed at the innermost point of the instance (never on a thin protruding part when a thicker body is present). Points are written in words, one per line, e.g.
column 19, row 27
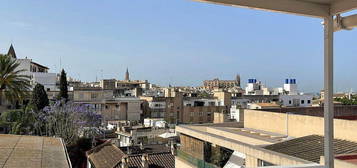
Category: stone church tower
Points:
column 127, row 78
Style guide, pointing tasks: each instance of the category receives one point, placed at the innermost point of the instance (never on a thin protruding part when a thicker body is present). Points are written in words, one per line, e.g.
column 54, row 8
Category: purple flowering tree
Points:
column 66, row 120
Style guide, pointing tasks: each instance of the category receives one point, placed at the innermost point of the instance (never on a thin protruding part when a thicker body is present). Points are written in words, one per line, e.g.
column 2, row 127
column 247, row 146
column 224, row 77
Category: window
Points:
column 308, row 101
column 302, row 101
column 289, row 101
column 264, row 163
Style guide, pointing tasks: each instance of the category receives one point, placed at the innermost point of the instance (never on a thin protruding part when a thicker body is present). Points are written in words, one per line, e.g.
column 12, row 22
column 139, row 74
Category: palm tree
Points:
column 13, row 84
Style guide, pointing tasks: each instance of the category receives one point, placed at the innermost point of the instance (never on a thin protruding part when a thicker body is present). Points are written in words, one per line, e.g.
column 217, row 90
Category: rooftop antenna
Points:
column 60, row 63
column 101, row 71
column 55, row 69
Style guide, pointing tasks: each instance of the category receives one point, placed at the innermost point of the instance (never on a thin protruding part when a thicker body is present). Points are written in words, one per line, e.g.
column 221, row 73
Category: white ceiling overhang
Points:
column 312, row 8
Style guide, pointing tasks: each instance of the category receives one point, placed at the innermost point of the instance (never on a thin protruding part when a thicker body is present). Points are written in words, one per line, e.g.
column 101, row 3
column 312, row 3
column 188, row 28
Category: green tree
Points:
column 348, row 101
column 13, row 84
column 63, row 94
column 19, row 121
column 39, row 97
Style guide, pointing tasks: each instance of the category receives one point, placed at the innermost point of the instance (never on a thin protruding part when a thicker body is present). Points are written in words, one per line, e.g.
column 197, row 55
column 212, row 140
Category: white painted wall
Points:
column 296, row 100
column 234, row 112
column 48, row 80
column 149, row 122
column 291, row 88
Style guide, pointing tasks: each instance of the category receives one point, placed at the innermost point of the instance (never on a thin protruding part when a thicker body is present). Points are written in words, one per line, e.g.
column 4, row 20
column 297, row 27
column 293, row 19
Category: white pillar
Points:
column 328, row 87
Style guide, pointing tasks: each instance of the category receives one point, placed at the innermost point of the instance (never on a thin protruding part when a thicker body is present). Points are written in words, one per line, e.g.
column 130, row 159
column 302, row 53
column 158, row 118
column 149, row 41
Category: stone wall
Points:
column 297, row 125
column 340, row 110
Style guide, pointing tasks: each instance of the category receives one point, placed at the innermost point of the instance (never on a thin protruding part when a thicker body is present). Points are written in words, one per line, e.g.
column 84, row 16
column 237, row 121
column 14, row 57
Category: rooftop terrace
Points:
column 32, row 152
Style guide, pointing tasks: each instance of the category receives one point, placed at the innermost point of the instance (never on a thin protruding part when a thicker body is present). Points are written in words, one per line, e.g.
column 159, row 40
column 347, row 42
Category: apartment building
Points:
column 287, row 96
column 156, row 106
column 181, row 109
column 111, row 108
column 139, row 134
column 38, row 73
column 91, row 94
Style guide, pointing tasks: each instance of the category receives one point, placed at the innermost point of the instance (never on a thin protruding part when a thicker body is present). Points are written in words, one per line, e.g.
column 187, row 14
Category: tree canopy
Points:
column 13, row 83
column 39, row 97
column 348, row 101
column 63, row 94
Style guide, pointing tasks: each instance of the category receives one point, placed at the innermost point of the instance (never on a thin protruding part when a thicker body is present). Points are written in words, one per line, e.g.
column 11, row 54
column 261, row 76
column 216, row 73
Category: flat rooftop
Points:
column 18, row 151
column 244, row 140
column 236, row 131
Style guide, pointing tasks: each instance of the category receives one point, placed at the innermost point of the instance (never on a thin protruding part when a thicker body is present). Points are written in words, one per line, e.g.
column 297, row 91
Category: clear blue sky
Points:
column 174, row 41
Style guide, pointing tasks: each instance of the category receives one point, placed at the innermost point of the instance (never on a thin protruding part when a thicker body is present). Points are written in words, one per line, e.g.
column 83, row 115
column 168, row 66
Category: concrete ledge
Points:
column 251, row 150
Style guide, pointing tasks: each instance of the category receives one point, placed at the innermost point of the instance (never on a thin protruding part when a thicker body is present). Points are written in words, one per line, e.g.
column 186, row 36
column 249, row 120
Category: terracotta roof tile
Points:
column 108, row 155
column 105, row 155
column 156, row 160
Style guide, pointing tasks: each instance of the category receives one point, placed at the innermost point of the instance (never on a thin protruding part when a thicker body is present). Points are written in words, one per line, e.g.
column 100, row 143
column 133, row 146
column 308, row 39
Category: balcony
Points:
column 193, row 161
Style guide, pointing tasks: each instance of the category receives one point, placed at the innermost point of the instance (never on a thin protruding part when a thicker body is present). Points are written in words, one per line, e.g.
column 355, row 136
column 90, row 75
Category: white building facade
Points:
column 296, row 100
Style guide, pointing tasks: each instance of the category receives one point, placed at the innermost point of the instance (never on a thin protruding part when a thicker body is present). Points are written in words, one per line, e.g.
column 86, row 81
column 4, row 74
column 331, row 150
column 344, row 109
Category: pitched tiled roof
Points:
column 311, row 147
column 156, row 160
column 146, row 149
column 37, row 64
column 105, row 155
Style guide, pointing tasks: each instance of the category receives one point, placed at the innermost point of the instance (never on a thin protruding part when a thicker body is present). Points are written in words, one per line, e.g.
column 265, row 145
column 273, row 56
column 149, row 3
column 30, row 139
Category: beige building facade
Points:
column 111, row 109
column 217, row 83
column 178, row 112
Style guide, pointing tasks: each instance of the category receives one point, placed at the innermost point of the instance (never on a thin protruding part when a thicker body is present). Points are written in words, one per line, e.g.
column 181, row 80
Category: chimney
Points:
column 145, row 160
column 173, row 148
column 141, row 146
column 124, row 162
